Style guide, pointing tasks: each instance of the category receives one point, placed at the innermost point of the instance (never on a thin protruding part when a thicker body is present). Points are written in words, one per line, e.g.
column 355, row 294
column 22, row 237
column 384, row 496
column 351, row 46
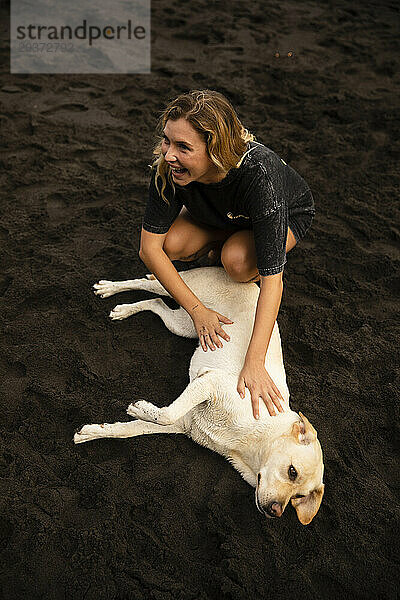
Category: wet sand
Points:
column 158, row 517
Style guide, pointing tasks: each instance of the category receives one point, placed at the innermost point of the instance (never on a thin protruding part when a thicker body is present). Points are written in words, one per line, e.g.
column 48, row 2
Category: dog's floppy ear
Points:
column 303, row 431
column 307, row 507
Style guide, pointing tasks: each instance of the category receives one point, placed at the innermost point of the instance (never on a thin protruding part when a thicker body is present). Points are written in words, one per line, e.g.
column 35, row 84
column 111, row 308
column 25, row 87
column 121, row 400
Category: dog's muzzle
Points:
column 274, row 509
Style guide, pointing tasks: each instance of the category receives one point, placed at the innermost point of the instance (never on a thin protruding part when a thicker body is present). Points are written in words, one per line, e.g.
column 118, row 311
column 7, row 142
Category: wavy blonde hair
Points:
column 215, row 119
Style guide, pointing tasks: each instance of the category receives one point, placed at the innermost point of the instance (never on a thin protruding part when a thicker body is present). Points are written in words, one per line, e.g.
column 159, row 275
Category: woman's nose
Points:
column 170, row 155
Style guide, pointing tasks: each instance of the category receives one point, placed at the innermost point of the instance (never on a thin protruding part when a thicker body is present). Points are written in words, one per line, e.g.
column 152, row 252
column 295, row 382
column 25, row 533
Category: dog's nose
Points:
column 274, row 509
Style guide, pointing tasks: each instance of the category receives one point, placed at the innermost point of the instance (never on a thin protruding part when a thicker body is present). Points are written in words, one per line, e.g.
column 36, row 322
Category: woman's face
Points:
column 184, row 148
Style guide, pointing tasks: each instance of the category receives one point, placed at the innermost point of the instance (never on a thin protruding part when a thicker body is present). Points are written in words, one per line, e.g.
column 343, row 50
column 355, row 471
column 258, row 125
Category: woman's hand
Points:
column 208, row 326
column 255, row 377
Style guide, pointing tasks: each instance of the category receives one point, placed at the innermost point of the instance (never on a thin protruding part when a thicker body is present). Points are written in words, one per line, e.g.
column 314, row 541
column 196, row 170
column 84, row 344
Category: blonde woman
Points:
column 214, row 189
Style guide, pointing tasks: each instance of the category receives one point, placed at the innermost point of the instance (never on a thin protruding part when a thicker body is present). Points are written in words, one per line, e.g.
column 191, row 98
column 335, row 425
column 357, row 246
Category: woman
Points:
column 215, row 189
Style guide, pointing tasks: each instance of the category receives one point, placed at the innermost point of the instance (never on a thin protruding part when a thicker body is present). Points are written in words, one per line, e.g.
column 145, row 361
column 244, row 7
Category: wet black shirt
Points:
column 262, row 194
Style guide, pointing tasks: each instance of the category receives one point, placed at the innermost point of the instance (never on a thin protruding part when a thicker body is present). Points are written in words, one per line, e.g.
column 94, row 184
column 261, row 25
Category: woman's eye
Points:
column 181, row 146
column 292, row 473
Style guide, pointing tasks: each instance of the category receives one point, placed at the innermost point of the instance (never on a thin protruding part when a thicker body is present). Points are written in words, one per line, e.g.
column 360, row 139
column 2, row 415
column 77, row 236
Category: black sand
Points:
column 159, row 517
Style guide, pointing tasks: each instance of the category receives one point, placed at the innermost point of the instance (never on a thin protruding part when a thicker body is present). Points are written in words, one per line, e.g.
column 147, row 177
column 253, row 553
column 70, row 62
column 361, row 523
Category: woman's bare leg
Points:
column 187, row 240
column 239, row 257
column 290, row 241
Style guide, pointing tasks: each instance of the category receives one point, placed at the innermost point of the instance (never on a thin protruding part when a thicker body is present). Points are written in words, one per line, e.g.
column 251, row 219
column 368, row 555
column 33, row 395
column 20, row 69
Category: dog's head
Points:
column 293, row 471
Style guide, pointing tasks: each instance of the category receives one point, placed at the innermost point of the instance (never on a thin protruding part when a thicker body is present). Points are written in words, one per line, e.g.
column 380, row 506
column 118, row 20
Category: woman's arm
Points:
column 206, row 321
column 253, row 375
column 152, row 254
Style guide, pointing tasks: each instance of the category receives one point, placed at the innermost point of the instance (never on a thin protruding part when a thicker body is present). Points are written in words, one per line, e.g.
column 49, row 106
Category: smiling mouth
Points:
column 178, row 170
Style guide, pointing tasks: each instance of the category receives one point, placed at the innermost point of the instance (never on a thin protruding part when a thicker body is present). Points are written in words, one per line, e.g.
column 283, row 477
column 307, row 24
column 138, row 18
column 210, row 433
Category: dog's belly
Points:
column 216, row 290
column 223, row 420
column 238, row 302
column 230, row 359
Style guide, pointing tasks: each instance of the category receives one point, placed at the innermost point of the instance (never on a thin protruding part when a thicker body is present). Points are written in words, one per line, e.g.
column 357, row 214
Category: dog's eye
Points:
column 259, row 478
column 292, row 473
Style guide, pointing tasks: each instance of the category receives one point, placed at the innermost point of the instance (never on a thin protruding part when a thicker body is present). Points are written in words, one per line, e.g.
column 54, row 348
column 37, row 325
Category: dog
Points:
column 280, row 456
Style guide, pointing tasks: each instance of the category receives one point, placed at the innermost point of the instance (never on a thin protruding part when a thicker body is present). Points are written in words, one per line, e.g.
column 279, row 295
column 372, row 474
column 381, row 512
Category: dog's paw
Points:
column 121, row 311
column 89, row 432
column 145, row 411
column 105, row 288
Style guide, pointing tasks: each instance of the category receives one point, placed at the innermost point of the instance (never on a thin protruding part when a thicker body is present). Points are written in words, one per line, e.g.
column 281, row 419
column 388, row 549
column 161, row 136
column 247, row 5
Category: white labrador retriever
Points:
column 278, row 455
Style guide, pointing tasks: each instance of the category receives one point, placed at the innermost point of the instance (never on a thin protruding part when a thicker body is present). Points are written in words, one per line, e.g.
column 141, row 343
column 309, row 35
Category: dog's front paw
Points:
column 144, row 410
column 148, row 412
column 90, row 432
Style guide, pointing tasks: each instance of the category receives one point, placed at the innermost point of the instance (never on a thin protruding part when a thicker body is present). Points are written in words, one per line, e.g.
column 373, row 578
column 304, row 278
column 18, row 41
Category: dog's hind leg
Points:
column 105, row 288
column 177, row 321
column 199, row 390
column 123, row 430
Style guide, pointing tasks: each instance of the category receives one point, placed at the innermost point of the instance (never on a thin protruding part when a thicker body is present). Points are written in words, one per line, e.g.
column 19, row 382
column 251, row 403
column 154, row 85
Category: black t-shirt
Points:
column 261, row 194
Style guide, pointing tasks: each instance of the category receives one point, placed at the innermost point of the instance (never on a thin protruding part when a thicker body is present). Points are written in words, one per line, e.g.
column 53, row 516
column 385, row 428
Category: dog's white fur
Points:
column 210, row 410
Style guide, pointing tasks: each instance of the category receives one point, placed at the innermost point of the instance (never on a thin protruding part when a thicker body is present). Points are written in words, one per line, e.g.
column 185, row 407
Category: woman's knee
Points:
column 238, row 262
column 174, row 244
column 185, row 242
